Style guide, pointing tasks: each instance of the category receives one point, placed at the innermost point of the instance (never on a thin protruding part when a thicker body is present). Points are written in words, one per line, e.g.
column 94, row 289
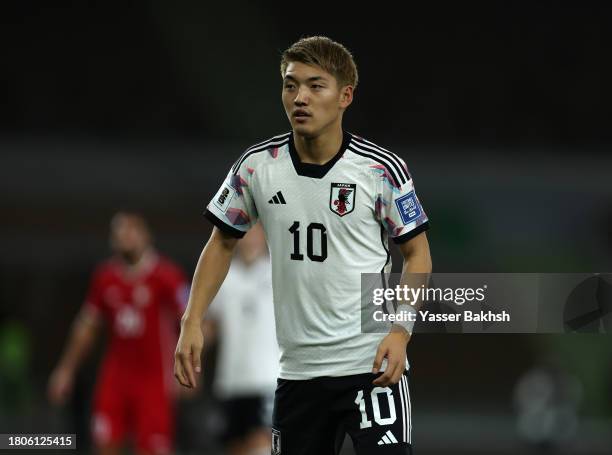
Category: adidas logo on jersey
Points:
column 277, row 199
column 388, row 438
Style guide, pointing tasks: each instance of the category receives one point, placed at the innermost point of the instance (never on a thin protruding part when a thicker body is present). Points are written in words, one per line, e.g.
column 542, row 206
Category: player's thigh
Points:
column 154, row 420
column 379, row 420
column 258, row 439
column 302, row 422
column 109, row 419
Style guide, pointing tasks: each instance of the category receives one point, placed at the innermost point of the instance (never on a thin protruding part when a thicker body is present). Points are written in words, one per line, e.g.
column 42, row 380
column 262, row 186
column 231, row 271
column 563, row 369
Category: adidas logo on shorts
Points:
column 388, row 438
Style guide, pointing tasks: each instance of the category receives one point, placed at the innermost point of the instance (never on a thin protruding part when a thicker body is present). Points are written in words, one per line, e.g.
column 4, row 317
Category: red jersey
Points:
column 141, row 306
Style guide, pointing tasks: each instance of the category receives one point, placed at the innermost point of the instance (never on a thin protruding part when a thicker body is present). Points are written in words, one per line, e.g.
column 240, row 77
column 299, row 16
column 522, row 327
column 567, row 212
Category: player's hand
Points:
column 60, row 385
column 393, row 348
column 187, row 362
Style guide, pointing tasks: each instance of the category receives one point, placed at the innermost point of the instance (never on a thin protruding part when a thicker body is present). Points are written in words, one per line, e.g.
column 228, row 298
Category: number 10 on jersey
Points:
column 310, row 239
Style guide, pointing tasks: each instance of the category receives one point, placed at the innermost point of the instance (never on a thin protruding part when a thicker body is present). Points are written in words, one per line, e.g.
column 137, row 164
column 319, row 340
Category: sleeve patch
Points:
column 408, row 207
column 224, row 197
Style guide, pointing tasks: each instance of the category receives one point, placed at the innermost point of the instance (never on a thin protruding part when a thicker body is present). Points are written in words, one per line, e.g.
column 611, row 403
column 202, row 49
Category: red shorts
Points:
column 138, row 410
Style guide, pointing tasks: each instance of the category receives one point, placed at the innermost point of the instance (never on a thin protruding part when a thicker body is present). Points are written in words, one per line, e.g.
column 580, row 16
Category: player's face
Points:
column 129, row 235
column 312, row 99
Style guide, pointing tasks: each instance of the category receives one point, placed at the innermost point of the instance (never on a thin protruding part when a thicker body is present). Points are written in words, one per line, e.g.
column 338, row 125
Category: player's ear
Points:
column 346, row 96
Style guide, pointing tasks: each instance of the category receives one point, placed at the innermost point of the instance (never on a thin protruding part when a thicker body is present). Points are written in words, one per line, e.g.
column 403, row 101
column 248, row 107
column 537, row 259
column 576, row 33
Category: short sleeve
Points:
column 233, row 209
column 398, row 207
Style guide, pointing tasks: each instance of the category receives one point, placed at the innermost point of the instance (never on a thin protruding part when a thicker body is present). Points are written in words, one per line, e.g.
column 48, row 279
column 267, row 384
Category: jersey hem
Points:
column 306, row 377
column 236, row 233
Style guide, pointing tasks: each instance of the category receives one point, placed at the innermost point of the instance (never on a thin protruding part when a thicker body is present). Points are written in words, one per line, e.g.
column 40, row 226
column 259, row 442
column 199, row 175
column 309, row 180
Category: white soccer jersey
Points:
column 248, row 352
column 325, row 226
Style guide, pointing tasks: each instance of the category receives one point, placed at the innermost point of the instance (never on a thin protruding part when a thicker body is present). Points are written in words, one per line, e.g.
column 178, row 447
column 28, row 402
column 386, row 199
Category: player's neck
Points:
column 320, row 149
column 139, row 261
column 131, row 258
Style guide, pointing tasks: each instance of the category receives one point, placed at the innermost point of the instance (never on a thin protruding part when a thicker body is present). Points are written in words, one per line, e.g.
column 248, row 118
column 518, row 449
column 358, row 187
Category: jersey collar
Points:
column 316, row 171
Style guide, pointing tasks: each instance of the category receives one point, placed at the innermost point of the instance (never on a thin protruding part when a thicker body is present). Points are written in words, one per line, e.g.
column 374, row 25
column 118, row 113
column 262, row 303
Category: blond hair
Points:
column 330, row 55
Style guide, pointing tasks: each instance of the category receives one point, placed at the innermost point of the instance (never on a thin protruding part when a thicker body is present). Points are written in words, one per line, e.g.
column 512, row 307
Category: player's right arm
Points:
column 232, row 210
column 82, row 337
column 210, row 272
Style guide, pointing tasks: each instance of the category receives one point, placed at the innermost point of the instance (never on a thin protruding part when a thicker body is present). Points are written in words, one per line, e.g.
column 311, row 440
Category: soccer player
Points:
column 242, row 318
column 325, row 198
column 139, row 295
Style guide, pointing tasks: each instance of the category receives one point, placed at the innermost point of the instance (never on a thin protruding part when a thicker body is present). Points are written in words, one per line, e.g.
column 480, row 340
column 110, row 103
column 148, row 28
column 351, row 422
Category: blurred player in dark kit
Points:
column 138, row 295
column 242, row 319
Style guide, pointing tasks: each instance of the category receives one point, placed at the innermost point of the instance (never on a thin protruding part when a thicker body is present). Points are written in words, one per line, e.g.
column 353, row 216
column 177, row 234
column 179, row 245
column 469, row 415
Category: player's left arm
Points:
column 415, row 271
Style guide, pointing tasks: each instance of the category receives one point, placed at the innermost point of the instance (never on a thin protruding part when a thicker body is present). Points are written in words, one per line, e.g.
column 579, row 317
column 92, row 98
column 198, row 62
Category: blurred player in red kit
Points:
column 139, row 296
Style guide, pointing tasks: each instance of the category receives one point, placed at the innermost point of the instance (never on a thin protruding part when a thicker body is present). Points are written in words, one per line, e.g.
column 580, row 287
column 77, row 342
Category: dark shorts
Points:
column 244, row 415
column 313, row 416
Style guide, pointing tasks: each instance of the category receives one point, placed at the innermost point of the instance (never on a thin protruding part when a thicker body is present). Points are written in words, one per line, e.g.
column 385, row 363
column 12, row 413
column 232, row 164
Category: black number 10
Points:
column 295, row 230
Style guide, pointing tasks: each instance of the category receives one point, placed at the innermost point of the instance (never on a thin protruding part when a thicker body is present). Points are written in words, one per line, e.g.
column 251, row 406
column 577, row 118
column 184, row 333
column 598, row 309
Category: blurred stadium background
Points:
column 501, row 110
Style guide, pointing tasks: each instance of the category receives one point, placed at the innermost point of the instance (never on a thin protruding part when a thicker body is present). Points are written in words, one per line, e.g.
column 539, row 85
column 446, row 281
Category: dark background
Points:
column 476, row 73
column 500, row 109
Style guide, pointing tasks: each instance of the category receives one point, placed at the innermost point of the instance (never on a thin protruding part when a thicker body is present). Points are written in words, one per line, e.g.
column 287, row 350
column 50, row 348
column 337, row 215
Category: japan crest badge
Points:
column 342, row 198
